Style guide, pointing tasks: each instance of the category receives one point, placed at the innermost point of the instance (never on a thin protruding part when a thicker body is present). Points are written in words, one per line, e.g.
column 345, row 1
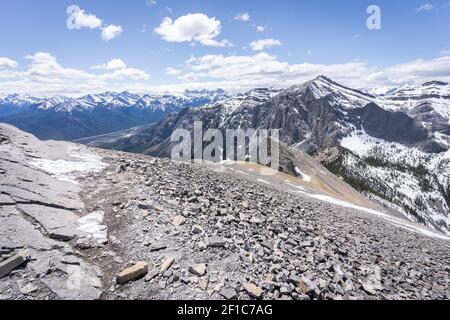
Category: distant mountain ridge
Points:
column 67, row 118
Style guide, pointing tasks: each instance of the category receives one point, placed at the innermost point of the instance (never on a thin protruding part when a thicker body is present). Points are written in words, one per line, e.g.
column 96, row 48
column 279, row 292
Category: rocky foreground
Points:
column 80, row 223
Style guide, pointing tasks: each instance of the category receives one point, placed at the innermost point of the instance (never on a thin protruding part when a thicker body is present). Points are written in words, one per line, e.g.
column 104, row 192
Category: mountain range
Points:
column 67, row 118
column 393, row 148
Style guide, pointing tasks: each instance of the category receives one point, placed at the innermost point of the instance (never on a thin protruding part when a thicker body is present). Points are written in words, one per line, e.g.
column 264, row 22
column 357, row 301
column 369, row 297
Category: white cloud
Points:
column 193, row 27
column 85, row 20
column 173, row 72
column 260, row 28
column 243, row 16
column 150, row 3
column 425, row 7
column 120, row 74
column 240, row 73
column 44, row 67
column 121, row 71
column 420, row 70
column 78, row 19
column 113, row 64
column 110, row 32
column 45, row 76
column 444, row 52
column 263, row 44
column 8, row 63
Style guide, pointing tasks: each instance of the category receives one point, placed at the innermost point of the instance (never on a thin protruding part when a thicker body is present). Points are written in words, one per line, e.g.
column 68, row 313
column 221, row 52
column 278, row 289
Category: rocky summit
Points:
column 83, row 223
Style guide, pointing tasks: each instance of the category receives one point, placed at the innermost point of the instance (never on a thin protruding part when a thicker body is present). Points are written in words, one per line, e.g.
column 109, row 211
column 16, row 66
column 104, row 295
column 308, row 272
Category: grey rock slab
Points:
column 198, row 269
column 16, row 232
column 12, row 263
column 228, row 293
column 6, row 200
column 60, row 224
column 28, row 289
column 215, row 241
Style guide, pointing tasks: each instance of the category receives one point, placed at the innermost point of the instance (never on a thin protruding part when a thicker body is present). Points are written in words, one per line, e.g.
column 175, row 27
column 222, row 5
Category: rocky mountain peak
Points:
column 434, row 83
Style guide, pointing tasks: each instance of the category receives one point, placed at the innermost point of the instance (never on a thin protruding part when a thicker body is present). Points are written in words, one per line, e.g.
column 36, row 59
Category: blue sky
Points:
column 40, row 54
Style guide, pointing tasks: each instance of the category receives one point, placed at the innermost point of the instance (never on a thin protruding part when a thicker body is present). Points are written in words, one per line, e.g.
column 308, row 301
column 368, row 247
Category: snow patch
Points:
column 93, row 225
column 305, row 177
column 68, row 171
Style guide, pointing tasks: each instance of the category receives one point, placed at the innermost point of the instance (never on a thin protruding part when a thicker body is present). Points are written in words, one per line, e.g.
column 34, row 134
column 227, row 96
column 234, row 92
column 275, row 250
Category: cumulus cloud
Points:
column 8, row 63
column 425, row 7
column 46, row 76
column 78, row 19
column 244, row 72
column 173, row 72
column 110, row 32
column 193, row 27
column 113, row 64
column 421, row 70
column 263, row 44
column 260, row 28
column 120, row 71
column 243, row 16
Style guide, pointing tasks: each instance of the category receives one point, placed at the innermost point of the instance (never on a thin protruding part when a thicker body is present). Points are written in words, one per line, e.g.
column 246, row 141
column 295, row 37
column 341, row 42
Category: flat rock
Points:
column 228, row 293
column 369, row 288
column 215, row 241
column 253, row 290
column 12, row 263
column 157, row 247
column 131, row 273
column 28, row 289
column 59, row 223
column 178, row 221
column 167, row 263
column 198, row 269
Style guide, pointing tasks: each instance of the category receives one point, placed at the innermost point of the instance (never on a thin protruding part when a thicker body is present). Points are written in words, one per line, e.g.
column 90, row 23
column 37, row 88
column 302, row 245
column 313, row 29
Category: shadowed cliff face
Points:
column 391, row 126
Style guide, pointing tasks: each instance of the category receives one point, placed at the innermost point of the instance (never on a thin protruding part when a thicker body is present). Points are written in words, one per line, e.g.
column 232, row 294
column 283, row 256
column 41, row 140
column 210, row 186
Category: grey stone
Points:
column 198, row 269
column 12, row 263
column 215, row 241
column 228, row 293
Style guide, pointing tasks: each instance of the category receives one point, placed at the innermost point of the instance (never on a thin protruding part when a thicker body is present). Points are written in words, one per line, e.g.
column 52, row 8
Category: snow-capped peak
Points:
column 116, row 100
